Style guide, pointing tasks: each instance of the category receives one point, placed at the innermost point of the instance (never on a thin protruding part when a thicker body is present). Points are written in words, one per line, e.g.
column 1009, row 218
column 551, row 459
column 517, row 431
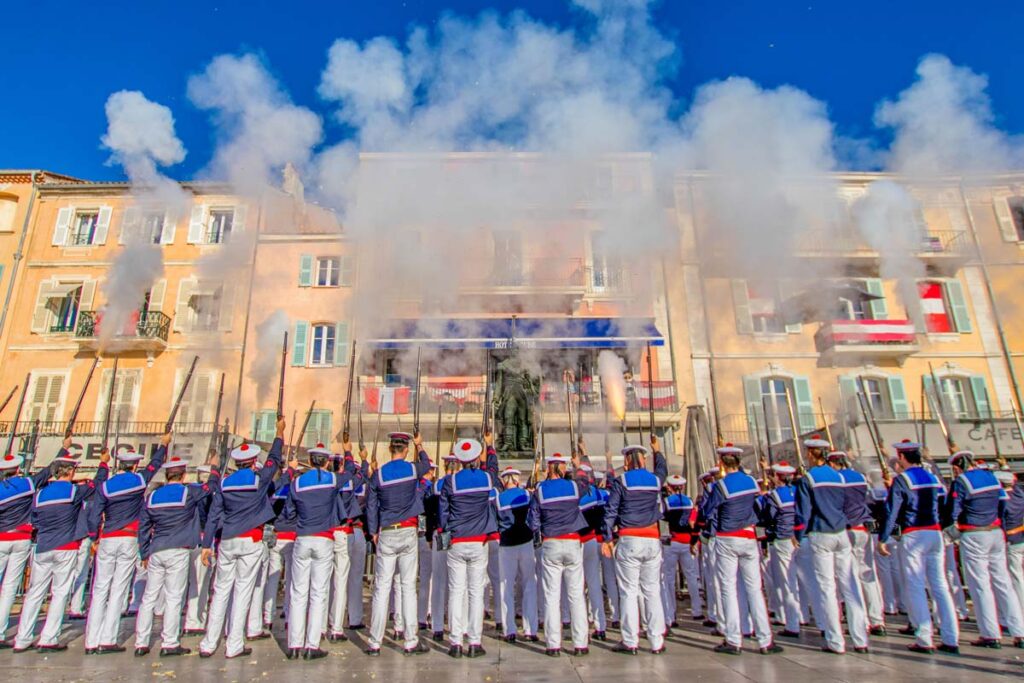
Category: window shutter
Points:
column 196, row 399
column 980, row 391
column 156, row 295
column 804, row 407
column 102, row 225
column 786, row 290
column 101, row 405
column 898, row 397
column 1004, row 216
column 131, row 220
column 125, row 398
column 930, row 395
column 60, row 230
column 341, row 345
column 227, row 307
column 755, row 409
column 879, row 308
column 319, row 429
column 306, row 270
column 181, row 317
column 347, row 274
column 299, row 343
column 958, row 306
column 741, row 307
column 41, row 313
column 170, row 226
column 197, row 224
column 848, row 396
column 85, row 301
column 263, row 424
column 238, row 222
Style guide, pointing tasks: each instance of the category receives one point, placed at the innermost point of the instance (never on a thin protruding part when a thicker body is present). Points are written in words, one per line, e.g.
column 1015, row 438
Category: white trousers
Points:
column 833, row 566
column 467, row 573
column 562, row 560
column 638, row 570
column 1015, row 562
column 167, row 578
column 592, row 580
column 782, row 566
column 517, row 563
column 277, row 562
column 239, row 561
column 53, row 572
column 423, row 589
column 312, row 558
column 396, row 553
column 740, row 558
column 341, row 565
column 356, row 570
column 115, row 564
column 810, row 596
column 711, row 593
column 956, row 586
column 983, row 556
column 678, row 557
column 863, row 548
column 76, row 605
column 13, row 558
column 439, row 588
column 611, row 585
column 924, row 572
column 889, row 578
column 254, row 616
column 198, row 601
column 493, row 579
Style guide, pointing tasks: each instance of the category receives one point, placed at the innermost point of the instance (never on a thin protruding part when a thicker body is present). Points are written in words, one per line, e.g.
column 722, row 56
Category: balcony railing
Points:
column 57, row 427
column 151, row 325
column 867, row 338
column 541, row 273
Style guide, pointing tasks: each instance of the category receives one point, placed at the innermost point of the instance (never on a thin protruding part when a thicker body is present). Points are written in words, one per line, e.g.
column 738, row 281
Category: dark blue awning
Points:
column 525, row 333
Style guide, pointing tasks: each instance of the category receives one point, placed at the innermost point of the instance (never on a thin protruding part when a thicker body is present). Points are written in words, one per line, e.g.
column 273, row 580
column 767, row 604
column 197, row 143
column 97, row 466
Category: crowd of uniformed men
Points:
column 572, row 548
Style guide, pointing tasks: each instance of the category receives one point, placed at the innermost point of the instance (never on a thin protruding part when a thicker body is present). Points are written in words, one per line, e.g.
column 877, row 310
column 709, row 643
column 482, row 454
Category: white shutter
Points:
column 197, row 224
column 131, row 221
column 196, row 399
column 227, row 307
column 156, row 295
column 60, row 230
column 181, row 312
column 85, row 301
column 41, row 313
column 102, row 225
column 125, row 395
column 170, row 225
column 101, row 404
column 238, row 222
column 1004, row 216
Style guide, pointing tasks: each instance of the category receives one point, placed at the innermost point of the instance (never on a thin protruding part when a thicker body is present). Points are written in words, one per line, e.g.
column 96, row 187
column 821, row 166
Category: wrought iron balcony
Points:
column 143, row 332
column 534, row 274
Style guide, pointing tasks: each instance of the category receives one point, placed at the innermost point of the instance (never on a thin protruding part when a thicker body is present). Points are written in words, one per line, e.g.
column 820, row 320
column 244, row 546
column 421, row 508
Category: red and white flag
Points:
column 933, row 307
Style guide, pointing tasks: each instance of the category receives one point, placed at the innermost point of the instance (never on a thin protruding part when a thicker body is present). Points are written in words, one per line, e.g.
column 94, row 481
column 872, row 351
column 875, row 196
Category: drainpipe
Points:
column 19, row 254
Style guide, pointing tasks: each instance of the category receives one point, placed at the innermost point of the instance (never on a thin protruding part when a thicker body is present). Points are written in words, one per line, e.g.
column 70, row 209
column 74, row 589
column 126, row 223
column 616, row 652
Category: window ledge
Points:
column 943, row 337
column 771, row 337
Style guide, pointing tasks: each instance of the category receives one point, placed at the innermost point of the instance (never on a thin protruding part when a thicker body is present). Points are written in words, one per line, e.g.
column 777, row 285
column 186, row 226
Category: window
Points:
column 607, row 268
column 508, row 259
column 221, row 222
column 877, row 392
column 66, row 311
column 327, row 271
column 319, row 429
column 153, row 226
column 204, row 310
column 956, row 396
column 125, row 397
column 764, row 305
column 196, row 403
column 322, row 348
column 944, row 307
column 83, row 228
column 264, row 425
column 45, row 397
column 773, row 396
column 8, row 210
column 1017, row 216
column 854, row 309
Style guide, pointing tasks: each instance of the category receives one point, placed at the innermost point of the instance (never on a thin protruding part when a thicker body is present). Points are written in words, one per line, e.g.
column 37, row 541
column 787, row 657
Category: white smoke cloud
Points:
column 267, row 359
column 140, row 135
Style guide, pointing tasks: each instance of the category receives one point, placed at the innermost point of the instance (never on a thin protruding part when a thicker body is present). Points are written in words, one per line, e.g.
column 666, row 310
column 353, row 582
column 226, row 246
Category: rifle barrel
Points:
column 8, row 399
column 280, row 383
column 862, row 400
column 824, row 420
column 650, row 390
column 767, row 431
column 359, row 414
column 305, row 425
column 796, row 431
column 78, row 404
column 940, row 414
column 17, row 415
column 181, row 394
column 347, row 432
column 216, row 416
column 416, row 397
column 376, row 430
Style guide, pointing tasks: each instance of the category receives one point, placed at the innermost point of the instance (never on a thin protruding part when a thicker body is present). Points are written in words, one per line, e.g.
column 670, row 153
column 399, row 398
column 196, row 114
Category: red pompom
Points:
column 320, row 445
column 244, row 447
column 8, row 457
column 466, row 446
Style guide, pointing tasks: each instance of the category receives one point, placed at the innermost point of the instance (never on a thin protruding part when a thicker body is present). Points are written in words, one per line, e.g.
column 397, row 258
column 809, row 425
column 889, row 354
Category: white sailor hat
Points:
column 247, row 451
column 67, row 459
column 319, row 449
column 204, row 469
column 983, row 465
column 10, row 461
column 710, row 474
column 174, row 463
column 433, row 465
column 449, row 457
column 815, row 441
column 676, row 480
column 960, row 458
column 556, row 458
column 783, row 467
column 598, row 475
column 399, row 437
column 729, row 449
column 1004, row 476
column 907, row 445
column 837, row 455
column 635, row 449
column 128, row 454
column 468, row 450
column 510, row 472
column 584, row 467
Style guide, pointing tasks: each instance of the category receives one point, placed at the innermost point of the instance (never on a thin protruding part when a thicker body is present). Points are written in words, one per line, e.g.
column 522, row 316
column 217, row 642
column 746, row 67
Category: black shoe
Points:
column 336, row 637
column 1018, row 643
column 860, row 650
column 455, row 651
column 438, row 636
column 914, row 647
column 418, row 649
column 771, row 649
column 246, row 651
column 110, row 649
column 990, row 643
column 6, row 645
column 372, row 651
column 599, row 635
column 658, row 650
column 510, row 638
column 423, row 625
column 89, row 650
column 356, row 627
column 727, row 649
column 205, row 655
column 141, row 651
column 674, row 624
column 788, row 634
column 615, row 624
column 293, row 653
column 262, row 635
column 174, row 651
column 74, row 616
column 624, row 649
column 533, row 638
column 19, row 650
column 908, row 630
column 58, row 647
column 314, row 653
column 709, row 623
column 499, row 628
column 826, row 648
column 580, row 651
column 475, row 651
column 193, row 632
column 553, row 652
column 949, row 649
column 877, row 631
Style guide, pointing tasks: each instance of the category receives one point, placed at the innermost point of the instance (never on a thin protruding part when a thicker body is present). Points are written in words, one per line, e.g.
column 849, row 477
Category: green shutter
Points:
column 848, row 397
column 898, row 397
column 348, row 270
column 306, row 270
column 299, row 342
column 319, row 429
column 804, row 407
column 264, row 425
column 741, row 307
column 958, row 306
column 931, row 396
column 341, row 345
column 752, row 395
column 786, row 291
column 879, row 309
column 980, row 392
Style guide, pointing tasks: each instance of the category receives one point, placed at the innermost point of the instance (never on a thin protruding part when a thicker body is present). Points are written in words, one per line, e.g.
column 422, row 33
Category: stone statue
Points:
column 515, row 393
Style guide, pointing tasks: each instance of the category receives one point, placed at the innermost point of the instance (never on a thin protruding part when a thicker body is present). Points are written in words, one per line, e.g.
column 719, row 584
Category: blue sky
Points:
column 63, row 59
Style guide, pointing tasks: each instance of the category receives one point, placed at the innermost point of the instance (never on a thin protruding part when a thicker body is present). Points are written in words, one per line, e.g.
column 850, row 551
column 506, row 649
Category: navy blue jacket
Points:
column 555, row 508
column 315, row 495
column 915, row 498
column 16, row 498
column 821, row 501
column 634, row 501
column 432, row 507
column 466, row 507
column 392, row 492
column 287, row 519
column 242, row 501
column 122, row 496
column 857, row 505
column 975, row 499
column 1013, row 515
column 778, row 512
column 170, row 517
column 57, row 511
column 730, row 504
column 592, row 505
column 679, row 513
column 513, row 508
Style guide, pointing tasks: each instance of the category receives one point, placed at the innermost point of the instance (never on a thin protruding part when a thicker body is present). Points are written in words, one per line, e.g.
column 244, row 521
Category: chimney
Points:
column 292, row 184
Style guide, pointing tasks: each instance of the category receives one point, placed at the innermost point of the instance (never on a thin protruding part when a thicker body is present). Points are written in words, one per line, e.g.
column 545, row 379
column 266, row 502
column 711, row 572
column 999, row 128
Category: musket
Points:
column 305, row 425
column 376, row 430
column 181, row 394
column 639, row 429
column 291, row 433
column 17, row 415
column 346, row 433
column 869, row 412
column 940, row 414
column 767, row 431
column 828, row 430
column 416, row 397
column 486, row 408
column 862, row 401
column 455, row 427
column 78, row 404
column 8, row 399
column 650, row 391
column 359, row 416
column 567, row 382
column 995, row 439
column 796, row 433
column 538, row 439
column 110, row 405
column 437, row 451
column 216, row 416
column 757, row 450
column 579, row 409
column 280, row 384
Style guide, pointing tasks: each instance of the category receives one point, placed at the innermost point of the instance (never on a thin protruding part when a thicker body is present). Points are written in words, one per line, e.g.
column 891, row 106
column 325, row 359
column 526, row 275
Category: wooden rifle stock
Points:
column 78, row 404
column 824, row 420
column 181, row 395
column 346, row 433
